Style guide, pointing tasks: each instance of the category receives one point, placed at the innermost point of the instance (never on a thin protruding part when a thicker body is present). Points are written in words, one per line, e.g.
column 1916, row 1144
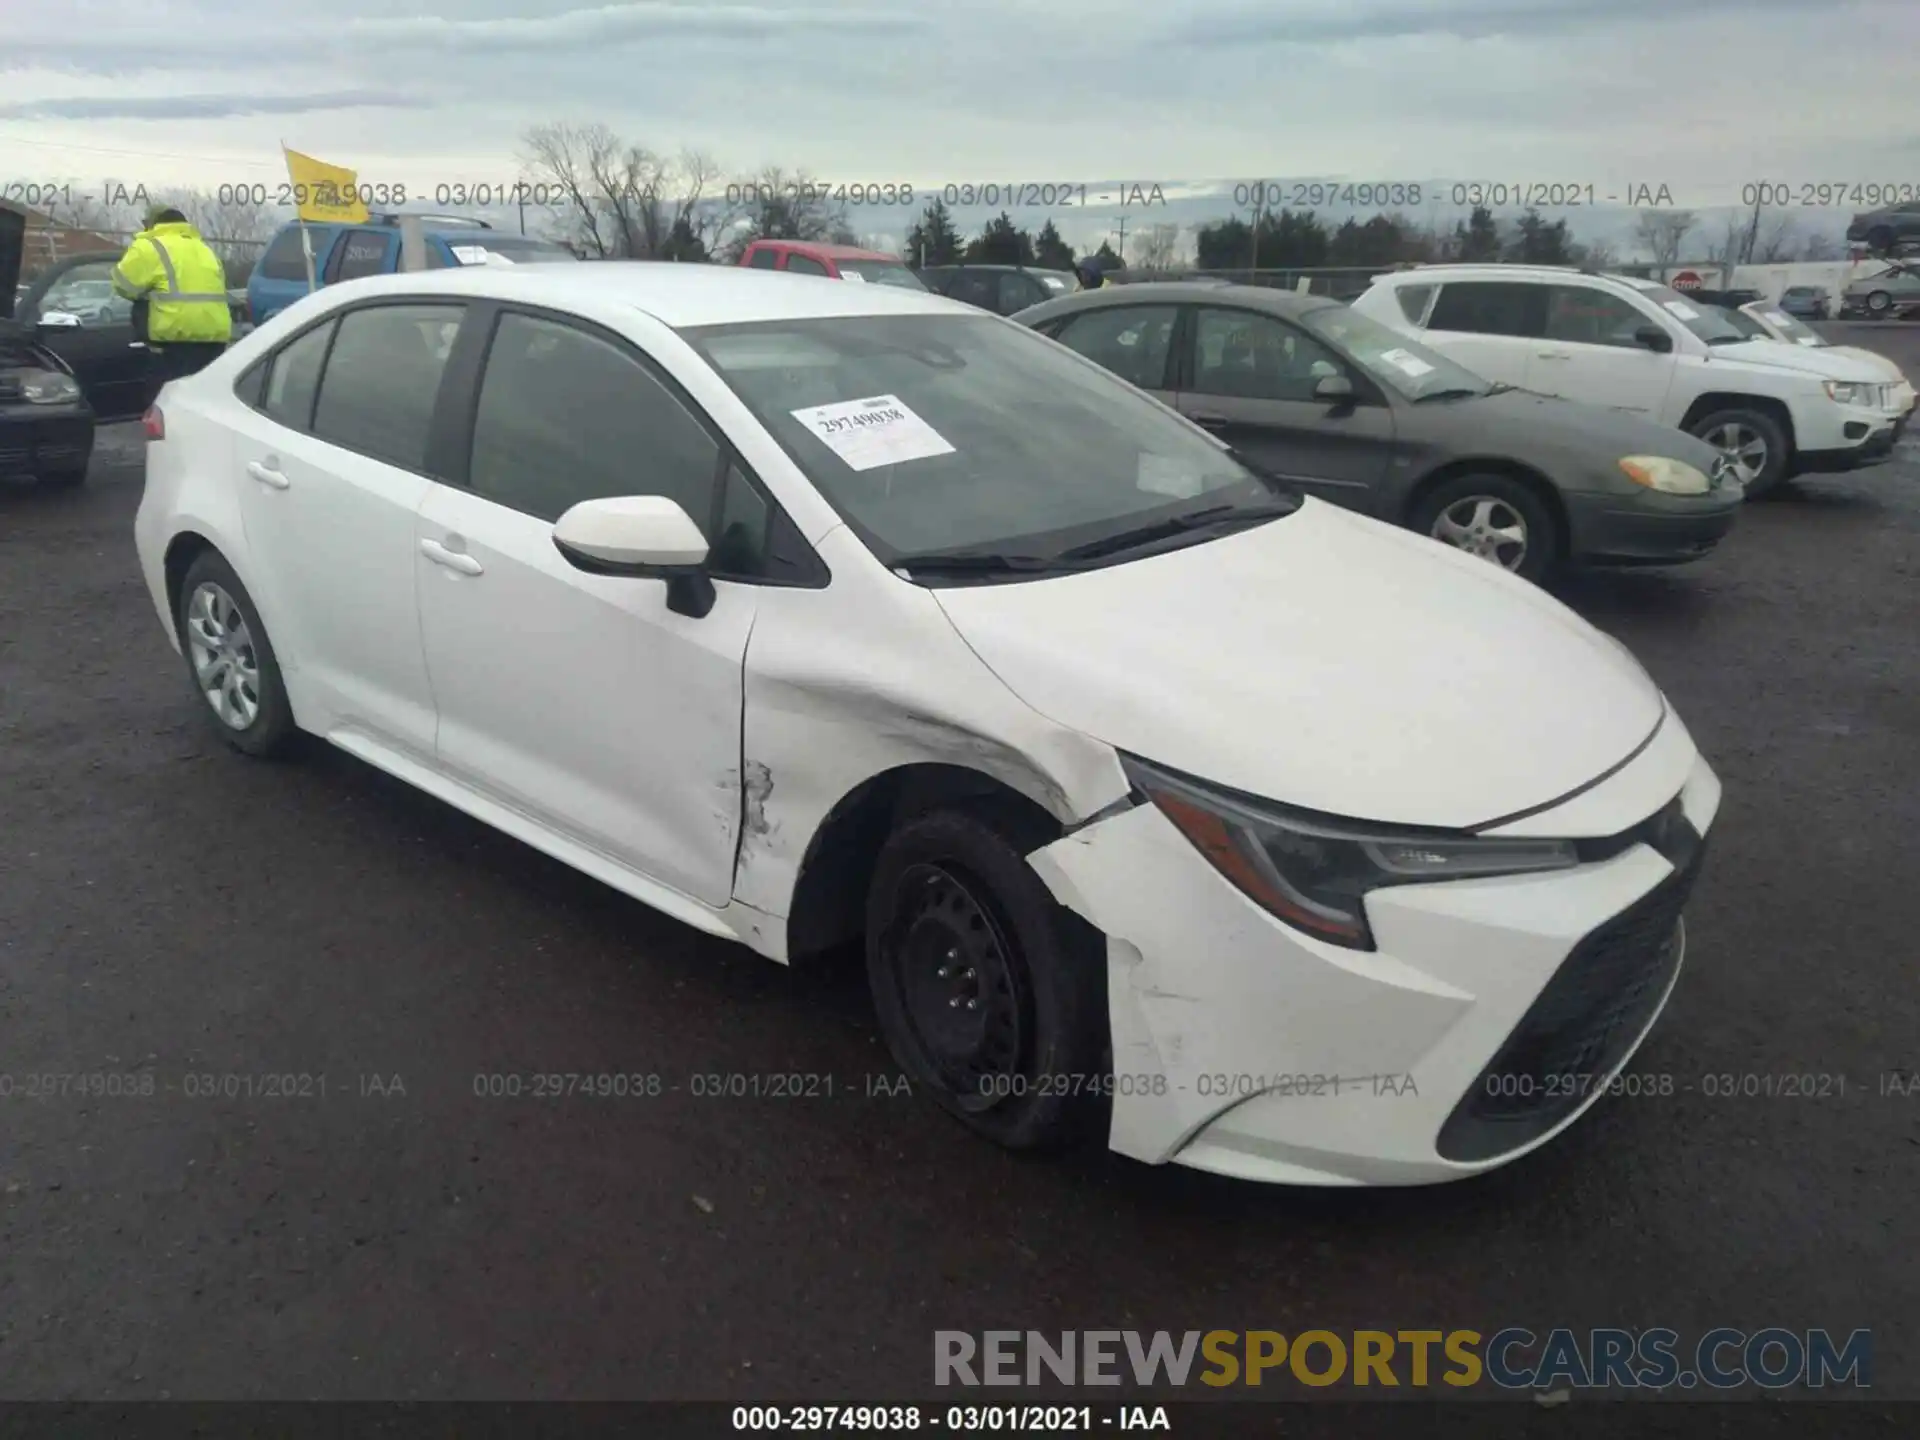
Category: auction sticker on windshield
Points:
column 1406, row 363
column 1680, row 310
column 877, row 431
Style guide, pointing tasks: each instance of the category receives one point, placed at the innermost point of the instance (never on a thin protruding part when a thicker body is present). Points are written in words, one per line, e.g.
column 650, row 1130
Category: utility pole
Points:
column 1123, row 241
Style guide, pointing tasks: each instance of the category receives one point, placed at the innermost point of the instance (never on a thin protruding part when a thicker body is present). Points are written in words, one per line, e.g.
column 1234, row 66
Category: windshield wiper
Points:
column 1212, row 517
column 979, row 562
column 1451, row 392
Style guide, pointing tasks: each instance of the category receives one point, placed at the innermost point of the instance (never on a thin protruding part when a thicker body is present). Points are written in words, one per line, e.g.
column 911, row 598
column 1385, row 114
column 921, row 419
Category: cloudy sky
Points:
column 1700, row 94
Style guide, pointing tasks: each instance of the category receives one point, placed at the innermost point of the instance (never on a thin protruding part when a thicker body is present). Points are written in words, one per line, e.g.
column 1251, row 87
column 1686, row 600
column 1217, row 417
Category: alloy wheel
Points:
column 1744, row 446
column 1486, row 526
column 1879, row 302
column 224, row 662
column 960, row 988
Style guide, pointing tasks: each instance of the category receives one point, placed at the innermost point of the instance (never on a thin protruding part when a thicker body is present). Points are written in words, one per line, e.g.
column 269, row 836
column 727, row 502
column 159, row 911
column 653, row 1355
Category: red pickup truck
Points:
column 836, row 262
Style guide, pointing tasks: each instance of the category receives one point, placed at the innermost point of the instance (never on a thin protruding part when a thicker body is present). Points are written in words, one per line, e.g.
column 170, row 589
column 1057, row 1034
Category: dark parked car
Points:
column 1888, row 230
column 1340, row 406
column 46, row 426
column 1003, row 289
column 1807, row 302
column 94, row 338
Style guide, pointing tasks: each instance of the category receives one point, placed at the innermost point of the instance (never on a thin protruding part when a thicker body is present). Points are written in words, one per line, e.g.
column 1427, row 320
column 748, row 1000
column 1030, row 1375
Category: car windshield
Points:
column 1785, row 327
column 1746, row 324
column 879, row 272
column 960, row 433
column 1707, row 322
column 1406, row 365
column 485, row 246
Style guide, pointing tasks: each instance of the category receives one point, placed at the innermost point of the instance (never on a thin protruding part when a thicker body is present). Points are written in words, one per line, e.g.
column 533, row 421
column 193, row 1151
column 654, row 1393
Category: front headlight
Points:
column 1670, row 477
column 49, row 387
column 1847, row 392
column 1314, row 872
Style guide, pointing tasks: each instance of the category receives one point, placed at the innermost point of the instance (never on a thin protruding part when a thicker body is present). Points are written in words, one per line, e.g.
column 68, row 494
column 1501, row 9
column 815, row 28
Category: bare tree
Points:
column 616, row 200
column 1156, row 247
column 779, row 205
column 1820, row 246
column 1774, row 244
column 1734, row 240
column 1596, row 255
column 1662, row 232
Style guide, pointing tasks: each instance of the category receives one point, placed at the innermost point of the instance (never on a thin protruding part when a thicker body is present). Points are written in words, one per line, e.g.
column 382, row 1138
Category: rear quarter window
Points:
column 285, row 259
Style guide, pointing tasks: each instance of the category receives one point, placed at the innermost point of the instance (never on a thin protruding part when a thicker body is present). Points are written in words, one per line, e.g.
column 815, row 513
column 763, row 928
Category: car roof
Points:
column 822, row 251
column 677, row 295
column 1197, row 292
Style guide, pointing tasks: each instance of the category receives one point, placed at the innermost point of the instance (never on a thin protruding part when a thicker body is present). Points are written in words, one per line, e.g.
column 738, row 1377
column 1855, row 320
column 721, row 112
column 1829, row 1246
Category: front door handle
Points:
column 267, row 475
column 1554, row 354
column 457, row 560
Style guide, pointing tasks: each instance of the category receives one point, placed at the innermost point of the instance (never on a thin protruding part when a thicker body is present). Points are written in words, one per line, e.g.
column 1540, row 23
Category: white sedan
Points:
column 1763, row 320
column 1243, row 831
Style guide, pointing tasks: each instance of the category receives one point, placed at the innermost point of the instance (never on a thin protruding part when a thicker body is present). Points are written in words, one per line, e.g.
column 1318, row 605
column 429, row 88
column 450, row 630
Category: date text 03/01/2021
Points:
column 950, row 1419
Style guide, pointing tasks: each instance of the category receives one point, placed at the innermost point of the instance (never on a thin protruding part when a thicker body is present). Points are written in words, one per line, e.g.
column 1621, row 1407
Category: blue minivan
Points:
column 348, row 252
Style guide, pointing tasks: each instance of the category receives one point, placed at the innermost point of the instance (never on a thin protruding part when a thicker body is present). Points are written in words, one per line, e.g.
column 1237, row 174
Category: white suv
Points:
column 1776, row 409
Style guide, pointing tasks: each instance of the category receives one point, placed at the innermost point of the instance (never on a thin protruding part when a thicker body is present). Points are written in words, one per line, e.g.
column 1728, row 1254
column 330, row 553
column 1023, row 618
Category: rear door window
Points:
column 804, row 265
column 383, row 378
column 763, row 259
column 293, row 378
column 1133, row 341
column 360, row 253
column 286, row 258
column 1490, row 307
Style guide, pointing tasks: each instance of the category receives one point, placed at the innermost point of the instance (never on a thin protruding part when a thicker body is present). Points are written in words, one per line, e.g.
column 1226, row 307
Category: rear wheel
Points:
column 1879, row 302
column 231, row 660
column 1753, row 441
column 1496, row 517
column 989, row 993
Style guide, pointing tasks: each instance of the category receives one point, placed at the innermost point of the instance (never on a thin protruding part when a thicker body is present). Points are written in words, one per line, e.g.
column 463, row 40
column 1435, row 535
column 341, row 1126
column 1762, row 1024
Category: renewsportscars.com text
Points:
column 1513, row 1358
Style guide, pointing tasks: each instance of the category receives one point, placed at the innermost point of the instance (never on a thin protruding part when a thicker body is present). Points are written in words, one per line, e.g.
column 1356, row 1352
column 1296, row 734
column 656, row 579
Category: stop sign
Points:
column 1685, row 280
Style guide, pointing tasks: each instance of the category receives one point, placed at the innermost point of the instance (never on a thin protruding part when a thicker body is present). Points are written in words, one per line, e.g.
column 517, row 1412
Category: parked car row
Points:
column 811, row 613
column 1344, row 408
column 1636, row 346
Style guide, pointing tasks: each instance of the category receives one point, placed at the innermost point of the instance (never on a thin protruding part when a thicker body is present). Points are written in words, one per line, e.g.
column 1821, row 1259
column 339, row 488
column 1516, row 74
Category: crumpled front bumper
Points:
column 1244, row 1047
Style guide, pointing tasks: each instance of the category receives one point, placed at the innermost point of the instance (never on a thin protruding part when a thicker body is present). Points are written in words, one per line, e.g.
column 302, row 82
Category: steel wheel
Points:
column 1743, row 445
column 1487, row 526
column 959, row 987
column 1879, row 302
column 224, row 662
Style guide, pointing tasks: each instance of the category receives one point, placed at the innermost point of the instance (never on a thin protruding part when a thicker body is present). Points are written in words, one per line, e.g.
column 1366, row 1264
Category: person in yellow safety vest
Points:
column 172, row 276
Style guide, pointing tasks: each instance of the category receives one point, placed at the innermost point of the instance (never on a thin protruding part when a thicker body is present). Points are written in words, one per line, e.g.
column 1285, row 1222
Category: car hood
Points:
column 1823, row 361
column 13, row 249
column 1872, row 359
column 1528, row 417
column 1327, row 661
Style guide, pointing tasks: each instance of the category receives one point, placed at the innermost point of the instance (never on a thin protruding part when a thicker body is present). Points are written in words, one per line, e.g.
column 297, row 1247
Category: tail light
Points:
column 154, row 424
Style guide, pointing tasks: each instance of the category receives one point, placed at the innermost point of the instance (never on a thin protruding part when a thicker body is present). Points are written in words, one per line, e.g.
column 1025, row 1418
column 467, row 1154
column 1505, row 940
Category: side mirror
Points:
column 1654, row 338
column 1337, row 389
column 59, row 320
column 642, row 536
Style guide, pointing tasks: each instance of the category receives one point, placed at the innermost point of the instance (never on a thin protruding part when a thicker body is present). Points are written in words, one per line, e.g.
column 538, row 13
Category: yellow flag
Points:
column 324, row 192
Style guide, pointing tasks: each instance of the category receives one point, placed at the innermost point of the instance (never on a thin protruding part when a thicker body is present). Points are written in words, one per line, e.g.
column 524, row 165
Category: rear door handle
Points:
column 453, row 559
column 267, row 475
column 1554, row 354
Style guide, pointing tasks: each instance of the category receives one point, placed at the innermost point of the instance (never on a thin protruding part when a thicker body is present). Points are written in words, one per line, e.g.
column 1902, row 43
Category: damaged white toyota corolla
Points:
column 1273, row 840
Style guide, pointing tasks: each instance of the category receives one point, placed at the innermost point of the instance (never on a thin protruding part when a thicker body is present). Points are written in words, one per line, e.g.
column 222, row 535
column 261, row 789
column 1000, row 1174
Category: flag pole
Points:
column 306, row 240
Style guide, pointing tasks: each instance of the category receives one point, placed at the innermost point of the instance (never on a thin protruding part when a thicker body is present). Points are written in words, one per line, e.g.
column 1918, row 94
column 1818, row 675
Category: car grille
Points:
column 1592, row 1011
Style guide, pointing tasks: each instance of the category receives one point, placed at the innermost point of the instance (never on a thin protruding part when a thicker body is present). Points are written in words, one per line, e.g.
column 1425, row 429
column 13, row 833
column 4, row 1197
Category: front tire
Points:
column 1496, row 517
column 1879, row 302
column 231, row 661
column 1754, row 441
column 989, row 993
